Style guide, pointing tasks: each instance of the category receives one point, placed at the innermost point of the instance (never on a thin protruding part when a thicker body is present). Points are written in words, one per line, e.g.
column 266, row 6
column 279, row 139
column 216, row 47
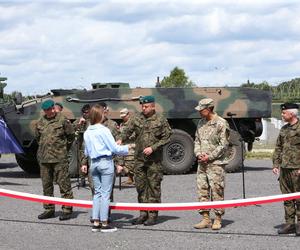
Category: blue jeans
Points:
column 102, row 171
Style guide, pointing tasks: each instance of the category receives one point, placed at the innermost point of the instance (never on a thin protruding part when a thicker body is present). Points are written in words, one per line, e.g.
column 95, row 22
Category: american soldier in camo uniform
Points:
column 54, row 135
column 128, row 159
column 211, row 143
column 286, row 163
column 152, row 132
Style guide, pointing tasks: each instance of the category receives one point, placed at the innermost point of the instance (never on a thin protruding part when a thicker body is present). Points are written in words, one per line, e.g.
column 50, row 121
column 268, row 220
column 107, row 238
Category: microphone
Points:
column 231, row 114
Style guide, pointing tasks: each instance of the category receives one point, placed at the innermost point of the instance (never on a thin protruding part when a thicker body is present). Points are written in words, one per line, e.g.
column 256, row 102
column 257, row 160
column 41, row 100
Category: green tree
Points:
column 177, row 78
column 263, row 85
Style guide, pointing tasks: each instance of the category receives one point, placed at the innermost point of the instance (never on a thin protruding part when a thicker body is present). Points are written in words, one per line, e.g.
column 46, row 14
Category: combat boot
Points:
column 129, row 181
column 286, row 229
column 46, row 215
column 141, row 219
column 298, row 228
column 217, row 223
column 65, row 216
column 205, row 223
column 152, row 218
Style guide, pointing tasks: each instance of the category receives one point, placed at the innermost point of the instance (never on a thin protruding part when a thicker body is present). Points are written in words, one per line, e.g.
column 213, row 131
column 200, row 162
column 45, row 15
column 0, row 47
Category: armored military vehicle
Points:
column 243, row 108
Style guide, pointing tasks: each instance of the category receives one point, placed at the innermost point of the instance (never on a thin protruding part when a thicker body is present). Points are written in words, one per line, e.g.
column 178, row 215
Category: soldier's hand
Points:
column 276, row 171
column 203, row 158
column 81, row 120
column 119, row 142
column 84, row 169
column 148, row 151
column 119, row 169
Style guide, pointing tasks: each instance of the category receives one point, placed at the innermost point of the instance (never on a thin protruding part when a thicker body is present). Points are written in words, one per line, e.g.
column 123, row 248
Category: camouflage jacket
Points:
column 129, row 140
column 212, row 138
column 151, row 132
column 287, row 149
column 54, row 137
column 79, row 130
column 113, row 127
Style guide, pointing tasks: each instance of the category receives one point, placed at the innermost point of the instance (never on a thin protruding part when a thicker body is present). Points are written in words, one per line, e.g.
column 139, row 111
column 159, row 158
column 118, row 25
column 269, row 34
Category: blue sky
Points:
column 70, row 44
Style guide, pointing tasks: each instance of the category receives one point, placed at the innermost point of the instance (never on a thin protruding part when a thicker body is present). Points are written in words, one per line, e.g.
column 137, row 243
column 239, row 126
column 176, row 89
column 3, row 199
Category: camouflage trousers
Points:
column 60, row 173
column 129, row 167
column 148, row 178
column 289, row 181
column 211, row 184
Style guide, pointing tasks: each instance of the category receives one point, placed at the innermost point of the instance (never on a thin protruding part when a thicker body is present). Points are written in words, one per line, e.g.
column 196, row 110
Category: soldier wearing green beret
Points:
column 54, row 135
column 152, row 132
column 286, row 164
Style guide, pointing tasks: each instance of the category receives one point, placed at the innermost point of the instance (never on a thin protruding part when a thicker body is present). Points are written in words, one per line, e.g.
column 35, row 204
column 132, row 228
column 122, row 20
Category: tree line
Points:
column 288, row 91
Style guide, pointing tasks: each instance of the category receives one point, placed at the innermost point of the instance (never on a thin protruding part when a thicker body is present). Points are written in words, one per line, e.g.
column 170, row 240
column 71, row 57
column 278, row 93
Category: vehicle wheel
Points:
column 235, row 154
column 28, row 164
column 73, row 161
column 178, row 155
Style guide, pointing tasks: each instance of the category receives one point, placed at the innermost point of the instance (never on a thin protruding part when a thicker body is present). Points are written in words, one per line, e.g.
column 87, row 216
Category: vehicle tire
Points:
column 27, row 163
column 178, row 155
column 73, row 160
column 235, row 153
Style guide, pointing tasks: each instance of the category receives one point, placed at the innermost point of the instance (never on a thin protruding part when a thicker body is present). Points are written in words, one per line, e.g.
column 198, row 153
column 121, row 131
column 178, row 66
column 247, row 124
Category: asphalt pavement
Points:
column 251, row 227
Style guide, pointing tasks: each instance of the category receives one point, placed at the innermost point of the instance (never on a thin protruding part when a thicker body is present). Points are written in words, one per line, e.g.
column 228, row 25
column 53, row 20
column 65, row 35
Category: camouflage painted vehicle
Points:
column 244, row 106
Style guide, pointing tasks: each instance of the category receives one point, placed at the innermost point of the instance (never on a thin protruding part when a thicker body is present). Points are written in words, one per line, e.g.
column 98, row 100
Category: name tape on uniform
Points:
column 151, row 206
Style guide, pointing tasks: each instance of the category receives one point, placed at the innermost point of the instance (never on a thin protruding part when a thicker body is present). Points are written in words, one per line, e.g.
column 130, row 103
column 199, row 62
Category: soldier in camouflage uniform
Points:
column 112, row 125
column 54, row 135
column 152, row 132
column 129, row 159
column 80, row 126
column 286, row 163
column 211, row 143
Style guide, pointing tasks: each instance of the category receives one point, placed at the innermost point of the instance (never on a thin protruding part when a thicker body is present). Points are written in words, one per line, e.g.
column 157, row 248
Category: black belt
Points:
column 101, row 157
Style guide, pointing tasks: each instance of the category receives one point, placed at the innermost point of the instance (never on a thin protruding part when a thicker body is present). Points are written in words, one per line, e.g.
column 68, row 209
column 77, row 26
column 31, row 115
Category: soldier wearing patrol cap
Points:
column 211, row 143
column 54, row 135
column 286, row 164
column 152, row 132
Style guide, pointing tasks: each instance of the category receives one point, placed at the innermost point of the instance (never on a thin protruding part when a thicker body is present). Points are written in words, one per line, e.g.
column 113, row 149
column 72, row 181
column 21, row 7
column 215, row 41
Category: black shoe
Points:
column 46, row 215
column 287, row 229
column 82, row 182
column 96, row 228
column 138, row 221
column 298, row 229
column 65, row 216
column 108, row 229
column 150, row 222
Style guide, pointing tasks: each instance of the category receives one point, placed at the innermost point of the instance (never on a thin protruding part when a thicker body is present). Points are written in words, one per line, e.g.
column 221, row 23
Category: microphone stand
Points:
column 242, row 147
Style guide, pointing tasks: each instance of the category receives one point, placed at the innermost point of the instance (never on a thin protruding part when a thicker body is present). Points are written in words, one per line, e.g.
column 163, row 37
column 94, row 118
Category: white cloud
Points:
column 69, row 44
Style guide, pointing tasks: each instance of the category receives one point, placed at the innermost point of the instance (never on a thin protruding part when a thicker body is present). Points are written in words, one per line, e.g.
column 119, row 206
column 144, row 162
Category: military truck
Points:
column 243, row 108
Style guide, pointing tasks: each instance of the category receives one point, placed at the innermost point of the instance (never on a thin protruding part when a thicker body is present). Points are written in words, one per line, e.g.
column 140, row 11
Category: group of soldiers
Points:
column 149, row 132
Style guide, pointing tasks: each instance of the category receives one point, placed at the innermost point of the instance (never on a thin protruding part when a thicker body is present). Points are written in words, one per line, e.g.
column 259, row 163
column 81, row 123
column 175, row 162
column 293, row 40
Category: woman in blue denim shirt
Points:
column 100, row 147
